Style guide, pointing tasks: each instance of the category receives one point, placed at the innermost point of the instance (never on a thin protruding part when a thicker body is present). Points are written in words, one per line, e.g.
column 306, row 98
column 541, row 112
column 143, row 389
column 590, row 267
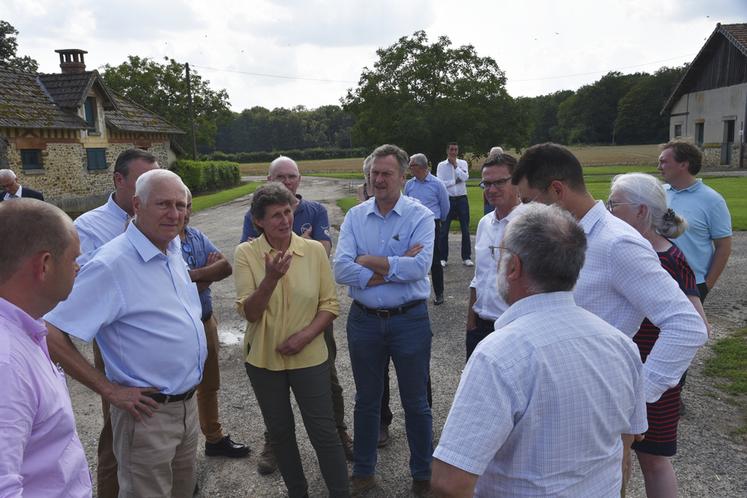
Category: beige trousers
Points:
column 157, row 455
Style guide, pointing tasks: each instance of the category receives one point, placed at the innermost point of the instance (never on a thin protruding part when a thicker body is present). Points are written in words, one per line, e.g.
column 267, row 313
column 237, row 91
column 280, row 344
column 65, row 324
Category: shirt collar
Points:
column 113, row 207
column 510, row 216
column 145, row 248
column 296, row 245
column 398, row 207
column 19, row 192
column 546, row 302
column 692, row 188
column 35, row 329
column 595, row 214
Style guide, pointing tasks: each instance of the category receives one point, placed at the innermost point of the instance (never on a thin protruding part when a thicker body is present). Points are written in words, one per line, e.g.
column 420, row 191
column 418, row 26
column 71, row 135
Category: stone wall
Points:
column 712, row 157
column 65, row 179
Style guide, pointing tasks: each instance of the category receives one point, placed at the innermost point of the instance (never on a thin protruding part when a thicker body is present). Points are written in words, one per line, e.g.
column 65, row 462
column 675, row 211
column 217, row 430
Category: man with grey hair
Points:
column 560, row 374
column 310, row 220
column 383, row 254
column 11, row 189
column 147, row 323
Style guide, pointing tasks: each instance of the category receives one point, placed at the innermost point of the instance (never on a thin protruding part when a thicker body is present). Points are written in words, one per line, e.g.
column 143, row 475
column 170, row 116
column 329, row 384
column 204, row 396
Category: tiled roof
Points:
column 25, row 104
column 53, row 100
column 132, row 117
column 737, row 36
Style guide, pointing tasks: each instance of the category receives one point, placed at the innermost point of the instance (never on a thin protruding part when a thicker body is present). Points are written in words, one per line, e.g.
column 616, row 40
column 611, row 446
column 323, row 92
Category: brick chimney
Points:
column 71, row 60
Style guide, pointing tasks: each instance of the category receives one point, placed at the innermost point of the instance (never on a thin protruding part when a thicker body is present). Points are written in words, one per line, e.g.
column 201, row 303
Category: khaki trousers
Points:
column 106, row 470
column 157, row 456
column 207, row 390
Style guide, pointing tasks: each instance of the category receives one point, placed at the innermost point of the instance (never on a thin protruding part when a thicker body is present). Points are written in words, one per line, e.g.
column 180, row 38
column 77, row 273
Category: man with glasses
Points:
column 207, row 265
column 567, row 383
column 622, row 280
column 485, row 305
column 431, row 192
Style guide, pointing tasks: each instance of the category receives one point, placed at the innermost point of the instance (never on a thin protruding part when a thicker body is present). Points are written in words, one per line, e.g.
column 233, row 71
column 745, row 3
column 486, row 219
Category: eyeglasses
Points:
column 497, row 251
column 497, row 183
column 612, row 204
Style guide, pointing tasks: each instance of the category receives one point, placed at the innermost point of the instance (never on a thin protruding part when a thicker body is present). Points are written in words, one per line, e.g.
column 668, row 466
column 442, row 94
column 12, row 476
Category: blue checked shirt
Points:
column 543, row 401
column 366, row 231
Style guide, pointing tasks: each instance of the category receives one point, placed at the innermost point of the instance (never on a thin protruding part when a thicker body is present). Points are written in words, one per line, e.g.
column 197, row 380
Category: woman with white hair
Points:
column 640, row 200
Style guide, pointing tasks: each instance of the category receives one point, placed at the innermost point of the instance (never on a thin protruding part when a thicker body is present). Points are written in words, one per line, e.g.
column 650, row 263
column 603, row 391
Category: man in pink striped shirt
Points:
column 40, row 452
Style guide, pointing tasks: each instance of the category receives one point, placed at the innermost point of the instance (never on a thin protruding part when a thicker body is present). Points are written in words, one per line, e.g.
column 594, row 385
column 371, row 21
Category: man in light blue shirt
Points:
column 431, row 192
column 136, row 298
column 707, row 241
column 383, row 254
column 543, row 401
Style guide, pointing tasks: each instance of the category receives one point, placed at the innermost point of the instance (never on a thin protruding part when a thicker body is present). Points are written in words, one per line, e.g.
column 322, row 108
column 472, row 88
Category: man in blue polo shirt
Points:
column 310, row 220
column 707, row 241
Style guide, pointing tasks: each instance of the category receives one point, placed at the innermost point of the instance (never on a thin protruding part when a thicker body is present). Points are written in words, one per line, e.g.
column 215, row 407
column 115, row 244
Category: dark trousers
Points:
column 386, row 412
column 338, row 404
column 472, row 339
column 459, row 209
column 311, row 389
column 437, row 272
column 703, row 290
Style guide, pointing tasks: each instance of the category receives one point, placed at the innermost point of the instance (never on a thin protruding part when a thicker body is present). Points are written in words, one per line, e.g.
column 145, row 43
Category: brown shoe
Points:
column 360, row 485
column 347, row 443
column 421, row 488
column 267, row 464
column 383, row 436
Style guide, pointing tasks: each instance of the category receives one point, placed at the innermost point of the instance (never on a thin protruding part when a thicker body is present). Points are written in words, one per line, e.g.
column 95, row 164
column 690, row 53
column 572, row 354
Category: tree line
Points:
column 418, row 94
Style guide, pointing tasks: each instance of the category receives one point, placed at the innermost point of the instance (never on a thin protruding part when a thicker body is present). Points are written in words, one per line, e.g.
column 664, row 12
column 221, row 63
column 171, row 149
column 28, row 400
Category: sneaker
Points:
column 439, row 300
column 227, row 448
column 267, row 464
column 468, row 262
column 383, row 436
column 359, row 485
column 347, row 443
column 444, row 263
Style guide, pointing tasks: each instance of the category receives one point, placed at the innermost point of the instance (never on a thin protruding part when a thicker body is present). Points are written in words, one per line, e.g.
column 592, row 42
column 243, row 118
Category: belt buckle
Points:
column 166, row 399
column 383, row 313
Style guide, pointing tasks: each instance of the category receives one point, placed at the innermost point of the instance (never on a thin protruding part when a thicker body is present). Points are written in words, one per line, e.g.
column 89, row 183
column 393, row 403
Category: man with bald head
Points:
column 147, row 321
column 310, row 220
column 41, row 453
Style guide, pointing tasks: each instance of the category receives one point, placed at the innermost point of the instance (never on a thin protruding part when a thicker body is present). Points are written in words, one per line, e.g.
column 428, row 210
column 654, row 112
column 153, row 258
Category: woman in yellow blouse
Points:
column 286, row 292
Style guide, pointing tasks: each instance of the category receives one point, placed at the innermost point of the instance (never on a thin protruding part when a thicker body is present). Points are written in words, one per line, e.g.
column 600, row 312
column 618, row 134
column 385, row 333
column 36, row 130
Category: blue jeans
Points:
column 406, row 338
column 459, row 209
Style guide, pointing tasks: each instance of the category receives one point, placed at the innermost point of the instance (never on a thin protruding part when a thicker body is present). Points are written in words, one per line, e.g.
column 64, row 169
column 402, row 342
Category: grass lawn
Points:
column 201, row 202
column 729, row 365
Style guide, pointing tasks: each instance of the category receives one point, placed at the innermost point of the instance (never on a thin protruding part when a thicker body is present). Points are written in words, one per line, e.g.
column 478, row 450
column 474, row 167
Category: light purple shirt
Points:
column 40, row 452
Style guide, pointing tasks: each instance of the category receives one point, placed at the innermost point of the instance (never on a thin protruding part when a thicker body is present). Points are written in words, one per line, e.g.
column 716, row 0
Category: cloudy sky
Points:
column 277, row 53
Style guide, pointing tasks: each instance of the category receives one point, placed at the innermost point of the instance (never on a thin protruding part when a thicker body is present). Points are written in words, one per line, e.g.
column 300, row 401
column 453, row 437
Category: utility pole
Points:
column 191, row 113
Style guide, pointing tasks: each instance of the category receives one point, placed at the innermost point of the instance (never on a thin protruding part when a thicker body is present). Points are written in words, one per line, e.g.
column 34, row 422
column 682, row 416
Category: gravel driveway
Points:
column 710, row 461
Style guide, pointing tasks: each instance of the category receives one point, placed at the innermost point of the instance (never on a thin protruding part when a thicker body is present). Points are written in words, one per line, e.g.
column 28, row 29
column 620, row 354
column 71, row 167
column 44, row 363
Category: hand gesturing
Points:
column 276, row 266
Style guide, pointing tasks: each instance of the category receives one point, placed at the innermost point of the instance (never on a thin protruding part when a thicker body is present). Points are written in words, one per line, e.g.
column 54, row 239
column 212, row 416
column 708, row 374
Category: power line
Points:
column 281, row 76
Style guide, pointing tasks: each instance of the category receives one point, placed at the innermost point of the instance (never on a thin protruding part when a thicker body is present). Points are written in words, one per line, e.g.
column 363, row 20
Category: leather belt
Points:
column 170, row 398
column 457, row 196
column 389, row 312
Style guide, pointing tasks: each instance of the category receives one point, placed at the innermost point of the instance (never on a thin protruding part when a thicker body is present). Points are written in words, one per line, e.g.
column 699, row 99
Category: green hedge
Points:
column 296, row 154
column 205, row 176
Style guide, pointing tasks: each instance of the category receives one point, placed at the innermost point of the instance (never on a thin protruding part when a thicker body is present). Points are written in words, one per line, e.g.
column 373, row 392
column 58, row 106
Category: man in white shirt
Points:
column 485, row 305
column 542, row 402
column 454, row 173
column 622, row 281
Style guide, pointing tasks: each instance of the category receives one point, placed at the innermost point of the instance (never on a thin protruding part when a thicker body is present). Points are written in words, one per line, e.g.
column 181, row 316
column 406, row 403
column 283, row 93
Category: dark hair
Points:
column 271, row 193
column 122, row 165
column 686, row 151
column 503, row 159
column 551, row 245
column 31, row 226
column 543, row 163
column 450, row 144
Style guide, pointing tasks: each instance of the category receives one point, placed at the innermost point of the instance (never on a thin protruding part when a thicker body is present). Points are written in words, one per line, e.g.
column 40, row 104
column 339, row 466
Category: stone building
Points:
column 61, row 133
column 709, row 104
